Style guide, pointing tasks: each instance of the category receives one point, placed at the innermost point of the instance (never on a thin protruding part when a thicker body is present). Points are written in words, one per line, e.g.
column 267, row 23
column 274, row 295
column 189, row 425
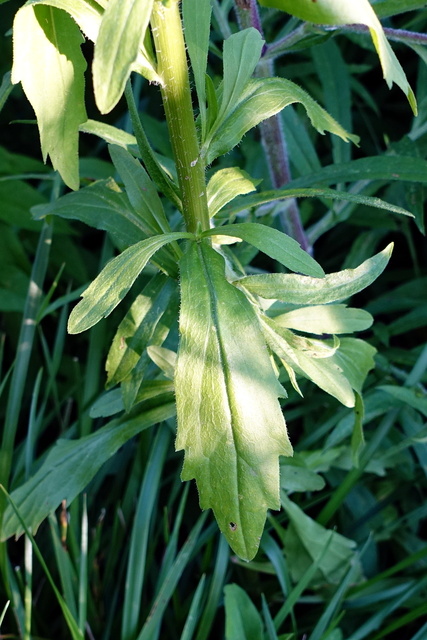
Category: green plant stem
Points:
column 172, row 68
column 273, row 136
column 154, row 169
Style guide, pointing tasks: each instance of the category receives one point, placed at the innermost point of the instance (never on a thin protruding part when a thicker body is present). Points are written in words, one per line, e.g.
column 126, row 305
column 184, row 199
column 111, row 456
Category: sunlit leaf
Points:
column 50, row 65
column 110, row 287
column 338, row 12
column 229, row 420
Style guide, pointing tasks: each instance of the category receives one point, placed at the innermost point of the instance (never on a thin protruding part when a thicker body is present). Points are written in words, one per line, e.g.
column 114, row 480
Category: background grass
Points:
column 132, row 556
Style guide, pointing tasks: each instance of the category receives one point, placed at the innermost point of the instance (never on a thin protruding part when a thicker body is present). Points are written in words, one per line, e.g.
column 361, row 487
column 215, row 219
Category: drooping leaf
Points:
column 110, row 287
column 272, row 242
column 102, row 205
column 334, row 287
column 71, row 465
column 257, row 199
column 260, row 99
column 311, row 359
column 120, row 36
column 50, row 65
column 242, row 619
column 196, row 15
column 334, row 319
column 229, row 420
column 351, row 12
column 225, row 185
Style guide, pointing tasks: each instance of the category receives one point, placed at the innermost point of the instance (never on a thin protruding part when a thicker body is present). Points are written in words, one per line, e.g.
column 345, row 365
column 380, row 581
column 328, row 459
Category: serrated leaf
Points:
column 196, row 15
column 229, row 420
column 334, row 287
column 71, row 465
column 334, row 319
column 120, row 36
column 272, row 242
column 260, row 99
column 47, row 60
column 110, row 287
column 339, row 12
column 225, row 185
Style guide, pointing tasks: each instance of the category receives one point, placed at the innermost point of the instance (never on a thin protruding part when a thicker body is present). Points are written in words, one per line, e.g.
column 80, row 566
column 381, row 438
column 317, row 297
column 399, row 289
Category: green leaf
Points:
column 71, row 465
column 413, row 397
column 334, row 319
column 102, row 205
column 17, row 197
column 110, row 287
column 258, row 100
column 87, row 14
column 50, row 65
column 140, row 190
column 334, row 287
column 137, row 327
column 229, row 420
column 295, row 477
column 387, row 8
column 272, row 242
column 196, row 16
column 241, row 54
column 386, row 167
column 120, row 36
column 164, row 358
column 225, row 185
column 305, row 542
column 351, row 12
column 263, row 197
column 310, row 358
column 242, row 620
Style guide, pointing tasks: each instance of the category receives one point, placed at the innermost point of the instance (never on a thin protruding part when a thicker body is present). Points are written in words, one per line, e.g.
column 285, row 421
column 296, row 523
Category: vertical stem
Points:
column 176, row 95
column 272, row 135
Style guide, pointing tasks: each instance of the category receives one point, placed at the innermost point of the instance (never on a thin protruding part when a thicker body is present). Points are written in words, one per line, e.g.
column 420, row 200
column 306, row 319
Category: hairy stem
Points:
column 176, row 95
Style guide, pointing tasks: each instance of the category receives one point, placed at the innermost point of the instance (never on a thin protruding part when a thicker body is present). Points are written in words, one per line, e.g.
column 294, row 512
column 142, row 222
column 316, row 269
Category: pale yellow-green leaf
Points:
column 47, row 60
column 120, row 37
column 338, row 12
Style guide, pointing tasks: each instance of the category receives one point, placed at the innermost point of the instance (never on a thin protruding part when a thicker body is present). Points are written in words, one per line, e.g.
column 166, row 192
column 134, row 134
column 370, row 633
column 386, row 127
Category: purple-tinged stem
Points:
column 273, row 136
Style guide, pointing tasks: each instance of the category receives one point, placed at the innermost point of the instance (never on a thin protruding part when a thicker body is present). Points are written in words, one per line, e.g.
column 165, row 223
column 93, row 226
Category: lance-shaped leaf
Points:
column 47, row 60
column 260, row 99
column 229, row 420
column 71, row 464
column 334, row 287
column 272, row 242
column 339, row 12
column 86, row 13
column 225, row 185
column 107, row 290
column 331, row 318
column 120, row 36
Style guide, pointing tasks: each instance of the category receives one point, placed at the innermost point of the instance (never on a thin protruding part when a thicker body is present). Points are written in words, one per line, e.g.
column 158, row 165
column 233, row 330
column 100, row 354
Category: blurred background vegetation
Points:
column 346, row 558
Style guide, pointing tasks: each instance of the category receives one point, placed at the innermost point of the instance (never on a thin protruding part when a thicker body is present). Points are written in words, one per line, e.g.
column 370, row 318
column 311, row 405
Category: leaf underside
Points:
column 229, row 420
